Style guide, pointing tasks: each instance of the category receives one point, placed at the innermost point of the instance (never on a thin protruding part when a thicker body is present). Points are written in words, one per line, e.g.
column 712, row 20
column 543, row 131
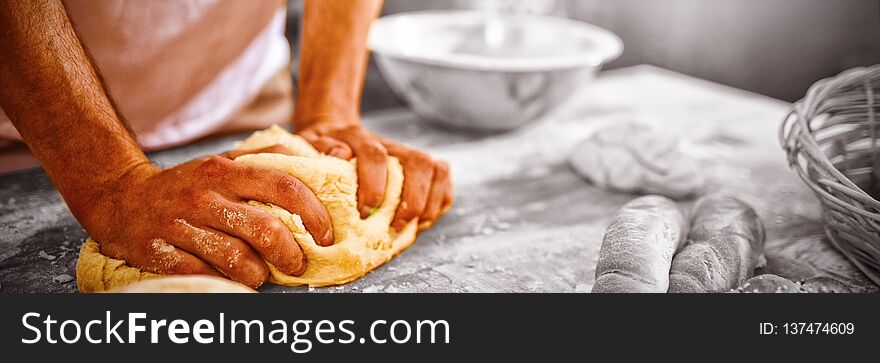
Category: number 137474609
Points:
column 804, row 328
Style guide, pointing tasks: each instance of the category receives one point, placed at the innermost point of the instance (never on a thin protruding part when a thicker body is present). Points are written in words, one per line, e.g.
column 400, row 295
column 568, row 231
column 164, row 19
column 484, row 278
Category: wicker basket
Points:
column 832, row 137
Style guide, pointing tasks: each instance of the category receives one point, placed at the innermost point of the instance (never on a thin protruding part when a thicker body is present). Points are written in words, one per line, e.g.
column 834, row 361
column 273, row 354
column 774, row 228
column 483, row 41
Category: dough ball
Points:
column 361, row 245
column 637, row 158
column 185, row 283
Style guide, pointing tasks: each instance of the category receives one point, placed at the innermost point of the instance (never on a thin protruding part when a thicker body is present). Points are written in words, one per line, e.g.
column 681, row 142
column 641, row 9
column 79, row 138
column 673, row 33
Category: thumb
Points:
column 329, row 145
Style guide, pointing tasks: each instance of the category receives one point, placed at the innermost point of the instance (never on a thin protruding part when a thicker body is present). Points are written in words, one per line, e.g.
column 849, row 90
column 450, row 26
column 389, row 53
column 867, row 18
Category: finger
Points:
column 274, row 149
column 418, row 173
column 327, row 145
column 440, row 197
column 308, row 134
column 332, row 147
column 372, row 169
column 263, row 232
column 160, row 257
column 227, row 254
column 285, row 191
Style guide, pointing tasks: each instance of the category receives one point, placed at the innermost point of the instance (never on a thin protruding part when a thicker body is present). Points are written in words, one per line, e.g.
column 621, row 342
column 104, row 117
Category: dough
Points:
column 96, row 272
column 185, row 283
column 635, row 158
column 361, row 244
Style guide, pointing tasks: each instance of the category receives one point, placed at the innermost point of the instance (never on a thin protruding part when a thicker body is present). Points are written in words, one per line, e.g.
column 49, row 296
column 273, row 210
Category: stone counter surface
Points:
column 522, row 220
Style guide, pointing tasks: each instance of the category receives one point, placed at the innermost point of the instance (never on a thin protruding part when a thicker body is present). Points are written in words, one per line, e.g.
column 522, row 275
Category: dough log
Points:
column 361, row 244
column 724, row 245
column 637, row 250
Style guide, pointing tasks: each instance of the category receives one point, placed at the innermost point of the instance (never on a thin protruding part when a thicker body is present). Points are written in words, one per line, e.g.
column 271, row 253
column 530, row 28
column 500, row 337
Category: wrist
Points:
column 302, row 120
column 95, row 203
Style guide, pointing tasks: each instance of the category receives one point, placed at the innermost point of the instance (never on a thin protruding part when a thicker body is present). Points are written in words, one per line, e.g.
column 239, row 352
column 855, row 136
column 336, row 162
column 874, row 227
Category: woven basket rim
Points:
column 856, row 213
column 827, row 85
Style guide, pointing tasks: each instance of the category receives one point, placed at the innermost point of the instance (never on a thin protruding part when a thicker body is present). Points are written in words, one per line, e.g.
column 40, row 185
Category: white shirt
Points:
column 178, row 69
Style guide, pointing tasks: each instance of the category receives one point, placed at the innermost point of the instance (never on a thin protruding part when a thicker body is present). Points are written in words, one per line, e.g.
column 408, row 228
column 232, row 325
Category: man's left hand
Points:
column 427, row 186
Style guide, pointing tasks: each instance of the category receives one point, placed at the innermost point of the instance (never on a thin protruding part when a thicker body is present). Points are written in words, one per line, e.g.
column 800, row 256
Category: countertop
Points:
column 522, row 220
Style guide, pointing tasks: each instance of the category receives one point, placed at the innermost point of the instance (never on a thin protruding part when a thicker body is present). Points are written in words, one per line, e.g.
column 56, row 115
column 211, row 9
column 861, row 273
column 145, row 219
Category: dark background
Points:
column 776, row 48
column 484, row 327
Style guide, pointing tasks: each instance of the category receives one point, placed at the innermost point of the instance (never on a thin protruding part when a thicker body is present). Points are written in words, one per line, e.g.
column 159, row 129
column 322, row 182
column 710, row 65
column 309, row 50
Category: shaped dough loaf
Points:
column 361, row 244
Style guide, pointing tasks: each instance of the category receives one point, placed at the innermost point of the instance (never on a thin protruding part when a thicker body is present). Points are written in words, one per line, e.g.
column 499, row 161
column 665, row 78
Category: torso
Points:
column 179, row 70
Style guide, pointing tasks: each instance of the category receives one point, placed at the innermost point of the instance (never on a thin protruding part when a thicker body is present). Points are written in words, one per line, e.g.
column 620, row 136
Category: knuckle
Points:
column 198, row 201
column 350, row 129
column 424, row 158
column 277, row 231
column 288, row 184
column 214, row 166
column 374, row 149
column 308, row 134
column 407, row 210
column 171, row 224
column 418, row 159
column 441, row 168
column 270, row 232
column 250, row 271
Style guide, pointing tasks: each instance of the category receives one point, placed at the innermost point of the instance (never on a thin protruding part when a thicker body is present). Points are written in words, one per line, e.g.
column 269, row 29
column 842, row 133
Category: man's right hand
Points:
column 194, row 219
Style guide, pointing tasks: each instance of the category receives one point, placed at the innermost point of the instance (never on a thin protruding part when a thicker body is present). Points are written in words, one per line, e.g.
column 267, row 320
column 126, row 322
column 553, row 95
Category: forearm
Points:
column 54, row 97
column 333, row 60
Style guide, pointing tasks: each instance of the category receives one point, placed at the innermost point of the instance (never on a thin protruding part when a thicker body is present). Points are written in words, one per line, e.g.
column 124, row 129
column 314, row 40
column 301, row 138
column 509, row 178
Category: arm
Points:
column 164, row 221
column 333, row 65
column 48, row 81
column 333, row 61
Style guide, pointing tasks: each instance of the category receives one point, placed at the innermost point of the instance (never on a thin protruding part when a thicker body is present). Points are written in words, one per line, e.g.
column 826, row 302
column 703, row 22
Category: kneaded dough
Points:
column 96, row 272
column 636, row 158
column 361, row 244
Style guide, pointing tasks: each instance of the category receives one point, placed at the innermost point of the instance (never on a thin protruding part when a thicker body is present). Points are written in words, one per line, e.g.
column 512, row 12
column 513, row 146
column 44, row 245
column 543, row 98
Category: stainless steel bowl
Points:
column 487, row 71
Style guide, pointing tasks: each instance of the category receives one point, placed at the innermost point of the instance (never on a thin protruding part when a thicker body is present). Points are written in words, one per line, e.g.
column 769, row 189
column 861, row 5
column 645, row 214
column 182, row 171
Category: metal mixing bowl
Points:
column 487, row 71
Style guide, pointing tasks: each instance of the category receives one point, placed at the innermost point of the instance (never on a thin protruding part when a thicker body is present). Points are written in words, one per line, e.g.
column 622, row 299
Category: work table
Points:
column 522, row 220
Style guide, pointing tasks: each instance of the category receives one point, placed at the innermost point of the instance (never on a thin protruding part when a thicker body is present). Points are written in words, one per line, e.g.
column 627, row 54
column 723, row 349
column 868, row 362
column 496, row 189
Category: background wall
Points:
column 774, row 47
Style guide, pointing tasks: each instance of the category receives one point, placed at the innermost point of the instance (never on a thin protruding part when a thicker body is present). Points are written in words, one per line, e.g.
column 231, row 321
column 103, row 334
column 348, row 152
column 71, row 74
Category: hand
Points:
column 427, row 186
column 193, row 219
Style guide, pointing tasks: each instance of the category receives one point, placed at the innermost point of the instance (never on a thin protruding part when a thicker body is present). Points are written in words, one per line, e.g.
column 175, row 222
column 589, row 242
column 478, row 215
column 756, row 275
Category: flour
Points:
column 165, row 255
column 504, row 261
column 23, row 222
column 46, row 256
column 395, row 289
column 211, row 243
column 583, row 288
column 527, row 150
column 63, row 278
column 372, row 289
